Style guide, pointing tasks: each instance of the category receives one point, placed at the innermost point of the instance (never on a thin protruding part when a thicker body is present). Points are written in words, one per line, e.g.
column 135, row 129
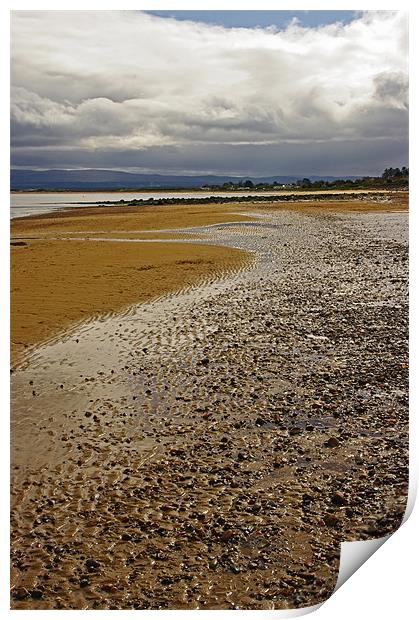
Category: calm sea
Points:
column 33, row 203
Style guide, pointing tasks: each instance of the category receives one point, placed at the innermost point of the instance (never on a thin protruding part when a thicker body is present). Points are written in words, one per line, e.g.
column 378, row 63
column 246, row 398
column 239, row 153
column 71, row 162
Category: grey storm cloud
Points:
column 392, row 89
column 128, row 89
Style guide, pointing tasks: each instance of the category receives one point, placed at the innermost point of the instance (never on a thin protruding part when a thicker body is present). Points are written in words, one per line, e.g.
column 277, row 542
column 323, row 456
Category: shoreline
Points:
column 71, row 263
column 347, row 198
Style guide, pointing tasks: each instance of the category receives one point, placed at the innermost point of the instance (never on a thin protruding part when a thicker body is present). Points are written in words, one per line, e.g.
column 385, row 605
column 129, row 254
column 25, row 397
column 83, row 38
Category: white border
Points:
column 386, row 586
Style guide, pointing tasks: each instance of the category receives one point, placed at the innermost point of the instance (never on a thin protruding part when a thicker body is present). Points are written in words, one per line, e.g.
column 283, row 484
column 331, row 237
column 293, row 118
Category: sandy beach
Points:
column 199, row 422
column 57, row 281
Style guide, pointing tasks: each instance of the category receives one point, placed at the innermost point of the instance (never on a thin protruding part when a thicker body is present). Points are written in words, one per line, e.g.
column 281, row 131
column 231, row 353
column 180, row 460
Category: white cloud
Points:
column 129, row 80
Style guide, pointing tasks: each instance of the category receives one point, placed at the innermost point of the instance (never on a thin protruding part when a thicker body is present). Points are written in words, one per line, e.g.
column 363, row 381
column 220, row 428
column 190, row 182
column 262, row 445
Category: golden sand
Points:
column 57, row 283
column 127, row 218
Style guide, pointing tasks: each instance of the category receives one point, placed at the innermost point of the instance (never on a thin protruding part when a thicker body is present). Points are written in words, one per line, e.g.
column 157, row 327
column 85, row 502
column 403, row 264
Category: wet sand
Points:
column 56, row 283
column 125, row 218
column 210, row 449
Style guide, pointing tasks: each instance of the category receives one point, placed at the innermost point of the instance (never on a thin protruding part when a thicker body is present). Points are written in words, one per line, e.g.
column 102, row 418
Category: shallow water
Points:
column 33, row 203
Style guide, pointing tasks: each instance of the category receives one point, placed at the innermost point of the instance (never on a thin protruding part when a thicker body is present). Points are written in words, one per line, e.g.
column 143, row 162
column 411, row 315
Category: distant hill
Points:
column 114, row 179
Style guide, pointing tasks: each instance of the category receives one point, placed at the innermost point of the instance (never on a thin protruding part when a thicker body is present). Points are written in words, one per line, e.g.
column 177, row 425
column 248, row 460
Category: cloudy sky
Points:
column 256, row 93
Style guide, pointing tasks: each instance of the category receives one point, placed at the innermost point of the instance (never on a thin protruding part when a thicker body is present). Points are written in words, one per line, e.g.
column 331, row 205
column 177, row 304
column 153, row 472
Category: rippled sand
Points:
column 210, row 449
column 56, row 283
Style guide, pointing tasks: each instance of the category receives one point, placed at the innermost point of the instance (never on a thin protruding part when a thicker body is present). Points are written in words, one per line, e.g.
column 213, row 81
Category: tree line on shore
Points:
column 391, row 178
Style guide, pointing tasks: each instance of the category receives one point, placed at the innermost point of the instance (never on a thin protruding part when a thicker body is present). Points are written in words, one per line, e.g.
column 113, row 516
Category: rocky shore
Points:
column 211, row 449
column 287, row 196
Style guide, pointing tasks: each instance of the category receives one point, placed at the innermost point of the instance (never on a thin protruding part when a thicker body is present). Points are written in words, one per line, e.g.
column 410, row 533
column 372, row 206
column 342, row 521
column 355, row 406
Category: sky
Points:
column 220, row 92
column 264, row 19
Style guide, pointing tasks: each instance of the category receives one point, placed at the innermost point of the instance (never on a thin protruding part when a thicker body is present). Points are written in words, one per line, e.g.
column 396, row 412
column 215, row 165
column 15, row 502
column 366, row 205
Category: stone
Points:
column 260, row 422
column 331, row 520
column 20, row 594
column 92, row 565
column 332, row 442
column 227, row 536
column 338, row 499
column 295, row 430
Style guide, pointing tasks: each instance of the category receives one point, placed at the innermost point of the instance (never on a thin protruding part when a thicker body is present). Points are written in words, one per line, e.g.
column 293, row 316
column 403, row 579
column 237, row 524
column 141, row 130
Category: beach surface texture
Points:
column 206, row 400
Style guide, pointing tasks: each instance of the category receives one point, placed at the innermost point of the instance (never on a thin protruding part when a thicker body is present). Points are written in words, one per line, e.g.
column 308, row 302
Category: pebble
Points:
column 331, row 520
column 332, row 442
column 92, row 565
column 338, row 499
